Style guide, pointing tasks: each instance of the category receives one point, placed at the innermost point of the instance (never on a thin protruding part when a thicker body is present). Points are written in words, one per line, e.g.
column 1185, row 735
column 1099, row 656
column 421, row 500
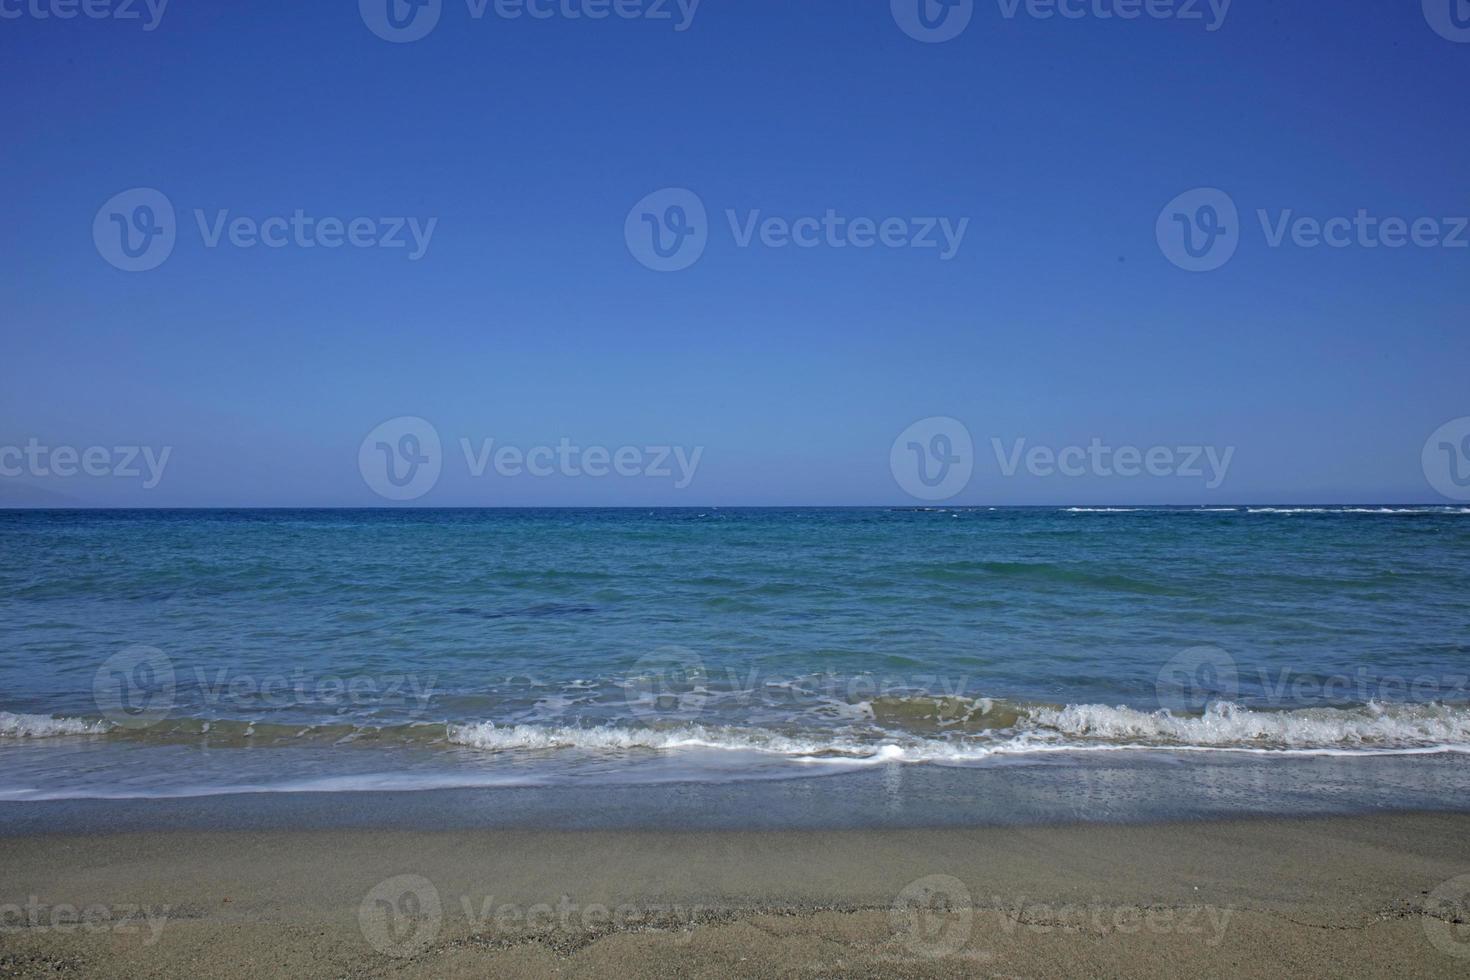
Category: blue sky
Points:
column 528, row 319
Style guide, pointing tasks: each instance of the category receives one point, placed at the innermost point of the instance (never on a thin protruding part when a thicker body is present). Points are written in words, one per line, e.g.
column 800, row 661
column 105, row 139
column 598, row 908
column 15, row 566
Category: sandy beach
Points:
column 1341, row 896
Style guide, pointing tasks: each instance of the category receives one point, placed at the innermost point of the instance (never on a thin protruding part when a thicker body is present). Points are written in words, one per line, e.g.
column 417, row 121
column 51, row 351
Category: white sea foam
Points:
column 1374, row 729
column 14, row 725
column 488, row 735
column 1228, row 724
column 1358, row 510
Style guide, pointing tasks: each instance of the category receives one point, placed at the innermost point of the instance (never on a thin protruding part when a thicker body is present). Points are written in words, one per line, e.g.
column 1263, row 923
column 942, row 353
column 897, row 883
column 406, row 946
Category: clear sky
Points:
column 1061, row 317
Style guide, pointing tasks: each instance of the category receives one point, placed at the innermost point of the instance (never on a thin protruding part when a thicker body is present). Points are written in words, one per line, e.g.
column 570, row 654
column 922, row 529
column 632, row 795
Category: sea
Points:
column 1322, row 651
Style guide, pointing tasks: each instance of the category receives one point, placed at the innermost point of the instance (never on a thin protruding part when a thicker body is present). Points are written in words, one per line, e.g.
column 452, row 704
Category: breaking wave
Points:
column 14, row 725
column 986, row 728
column 914, row 729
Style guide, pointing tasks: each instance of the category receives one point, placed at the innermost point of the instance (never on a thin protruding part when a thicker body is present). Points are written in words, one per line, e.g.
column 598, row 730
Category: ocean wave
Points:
column 14, row 725
column 1358, row 510
column 1225, row 723
column 905, row 729
column 488, row 735
column 1446, row 509
column 996, row 728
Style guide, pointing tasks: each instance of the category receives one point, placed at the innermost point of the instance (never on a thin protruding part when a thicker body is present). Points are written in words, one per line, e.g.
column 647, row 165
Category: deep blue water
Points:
column 159, row 652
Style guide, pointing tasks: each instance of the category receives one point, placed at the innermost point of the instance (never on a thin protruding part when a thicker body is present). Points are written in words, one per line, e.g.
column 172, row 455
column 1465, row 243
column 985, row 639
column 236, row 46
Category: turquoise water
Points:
column 179, row 653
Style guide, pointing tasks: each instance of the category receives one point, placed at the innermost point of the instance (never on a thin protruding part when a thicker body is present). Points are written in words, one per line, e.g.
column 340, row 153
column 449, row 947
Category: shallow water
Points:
column 183, row 653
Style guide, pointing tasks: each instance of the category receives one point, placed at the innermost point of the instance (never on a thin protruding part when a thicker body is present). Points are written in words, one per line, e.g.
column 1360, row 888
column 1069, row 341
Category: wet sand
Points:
column 1339, row 896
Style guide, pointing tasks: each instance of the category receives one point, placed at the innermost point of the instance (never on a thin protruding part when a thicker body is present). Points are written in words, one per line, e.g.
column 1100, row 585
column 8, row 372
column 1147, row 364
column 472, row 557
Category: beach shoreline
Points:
column 1366, row 895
